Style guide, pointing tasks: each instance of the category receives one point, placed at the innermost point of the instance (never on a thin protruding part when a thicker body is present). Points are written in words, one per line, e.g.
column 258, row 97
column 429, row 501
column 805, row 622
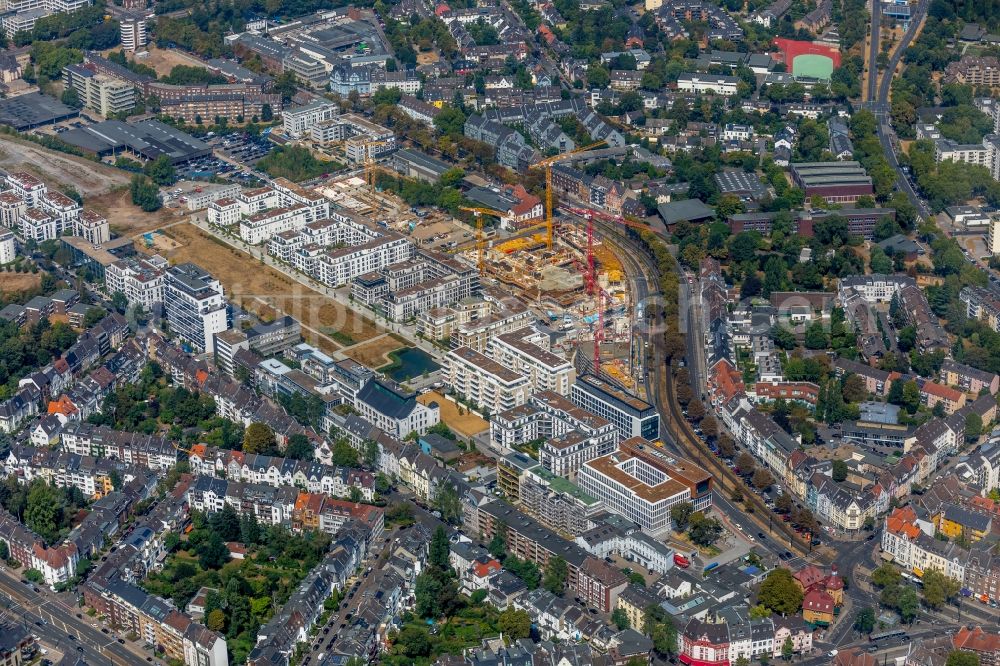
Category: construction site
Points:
column 554, row 263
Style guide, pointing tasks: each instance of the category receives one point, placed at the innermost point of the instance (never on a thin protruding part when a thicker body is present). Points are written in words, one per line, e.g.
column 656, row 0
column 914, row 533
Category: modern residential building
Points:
column 195, row 306
column 484, row 382
column 545, row 370
column 299, row 121
column 139, row 279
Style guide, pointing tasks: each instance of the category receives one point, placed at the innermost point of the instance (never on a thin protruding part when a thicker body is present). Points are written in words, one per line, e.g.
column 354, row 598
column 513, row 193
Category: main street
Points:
column 57, row 624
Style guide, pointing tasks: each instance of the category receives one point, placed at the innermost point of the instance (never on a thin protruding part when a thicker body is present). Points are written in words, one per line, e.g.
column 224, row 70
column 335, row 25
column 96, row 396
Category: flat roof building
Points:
column 633, row 417
column 836, row 182
column 147, row 140
column 25, row 112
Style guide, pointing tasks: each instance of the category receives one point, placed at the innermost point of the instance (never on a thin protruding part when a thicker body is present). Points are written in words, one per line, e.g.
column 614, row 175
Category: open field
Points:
column 15, row 282
column 163, row 60
column 266, row 292
column 464, row 425
column 374, row 353
column 59, row 169
column 127, row 219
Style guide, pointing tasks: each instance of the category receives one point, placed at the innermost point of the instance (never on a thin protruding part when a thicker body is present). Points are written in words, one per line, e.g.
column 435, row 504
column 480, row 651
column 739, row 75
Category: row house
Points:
column 970, row 380
column 730, row 634
column 148, row 451
column 315, row 511
column 57, row 564
column 276, row 471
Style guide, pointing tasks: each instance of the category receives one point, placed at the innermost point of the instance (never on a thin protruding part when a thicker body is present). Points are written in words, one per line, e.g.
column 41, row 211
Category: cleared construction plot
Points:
column 59, row 169
column 375, row 353
column 464, row 424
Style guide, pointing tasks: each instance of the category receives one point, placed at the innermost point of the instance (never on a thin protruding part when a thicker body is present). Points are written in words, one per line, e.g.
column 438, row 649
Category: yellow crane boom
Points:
column 480, row 237
column 547, row 165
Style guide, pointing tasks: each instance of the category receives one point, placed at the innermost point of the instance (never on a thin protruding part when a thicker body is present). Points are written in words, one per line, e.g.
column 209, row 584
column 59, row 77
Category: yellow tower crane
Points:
column 547, row 165
column 480, row 237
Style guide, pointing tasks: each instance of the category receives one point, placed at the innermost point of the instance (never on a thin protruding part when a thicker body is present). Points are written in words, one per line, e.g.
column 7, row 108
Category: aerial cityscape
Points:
column 499, row 332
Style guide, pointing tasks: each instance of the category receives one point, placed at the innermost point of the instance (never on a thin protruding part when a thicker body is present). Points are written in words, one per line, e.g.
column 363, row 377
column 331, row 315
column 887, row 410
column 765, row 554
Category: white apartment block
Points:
column 986, row 154
column 483, row 381
column 708, row 83
column 64, row 211
column 141, row 280
column 256, row 200
column 339, row 266
column 224, row 212
column 993, row 236
column 133, row 31
column 93, row 227
column 546, row 371
column 260, row 227
column 195, row 306
column 298, row 122
column 291, row 195
column 12, row 207
column 8, row 247
column 104, row 94
column 26, row 186
column 405, row 304
column 38, row 226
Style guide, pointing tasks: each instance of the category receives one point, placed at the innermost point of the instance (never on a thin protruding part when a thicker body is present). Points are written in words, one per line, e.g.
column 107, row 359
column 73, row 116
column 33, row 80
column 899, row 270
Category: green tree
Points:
column 450, row 121
column 161, row 171
column 344, row 455
column 815, row 337
column 498, row 544
column 783, row 338
column 938, row 588
column 71, row 98
column 962, row 658
column 556, row 573
column 300, row 448
column 973, row 427
column 447, row 501
column 415, row 642
column 44, row 510
column 787, row 648
column 514, row 624
column 382, row 484
column 372, row 453
column 704, row 531
column 216, row 620
column 258, row 438
column 144, row 193
column 780, row 592
column 840, row 470
column 680, row 514
column 885, row 575
column 226, row 523
column 620, row 619
column 440, row 548
column 864, row 621
column 213, row 553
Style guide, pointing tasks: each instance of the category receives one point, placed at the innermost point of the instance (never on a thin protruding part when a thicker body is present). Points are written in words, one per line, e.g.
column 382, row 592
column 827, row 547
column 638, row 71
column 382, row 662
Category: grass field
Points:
column 374, row 354
column 268, row 293
column 465, row 425
column 15, row 282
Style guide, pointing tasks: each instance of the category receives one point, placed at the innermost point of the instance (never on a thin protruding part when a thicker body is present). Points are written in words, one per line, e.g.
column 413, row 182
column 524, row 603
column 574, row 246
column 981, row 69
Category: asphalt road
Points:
column 873, row 50
column 54, row 622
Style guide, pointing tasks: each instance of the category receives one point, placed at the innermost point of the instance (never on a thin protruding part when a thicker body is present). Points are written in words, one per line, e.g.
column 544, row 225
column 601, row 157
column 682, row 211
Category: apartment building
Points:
column 8, row 247
column 555, row 502
column 547, row 416
column 473, row 323
column 974, row 71
column 12, row 207
column 968, row 379
column 299, row 121
column 146, row 451
column 546, row 371
column 133, row 32
column 26, row 187
column 139, row 279
column 260, row 227
column 642, row 483
column 38, row 226
column 195, row 306
column 598, row 586
column 484, row 382
column 64, row 210
column 630, row 415
column 104, row 94
column 225, row 212
column 93, row 227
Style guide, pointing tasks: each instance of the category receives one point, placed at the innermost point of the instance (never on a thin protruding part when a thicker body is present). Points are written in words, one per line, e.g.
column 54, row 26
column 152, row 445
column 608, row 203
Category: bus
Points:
column 886, row 635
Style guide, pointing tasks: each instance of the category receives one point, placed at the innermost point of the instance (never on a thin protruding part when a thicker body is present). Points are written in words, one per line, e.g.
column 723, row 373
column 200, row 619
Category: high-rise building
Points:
column 133, row 27
column 195, row 306
column 993, row 236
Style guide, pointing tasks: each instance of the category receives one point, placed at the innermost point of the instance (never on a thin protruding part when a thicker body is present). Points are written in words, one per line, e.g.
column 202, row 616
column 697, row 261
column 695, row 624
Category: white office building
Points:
column 195, row 306
column 633, row 417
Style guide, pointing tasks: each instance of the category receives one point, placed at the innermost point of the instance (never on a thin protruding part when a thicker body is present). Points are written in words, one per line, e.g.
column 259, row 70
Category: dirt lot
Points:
column 427, row 58
column 267, row 292
column 14, row 282
column 163, row 60
column 374, row 353
column 465, row 425
column 59, row 169
column 127, row 219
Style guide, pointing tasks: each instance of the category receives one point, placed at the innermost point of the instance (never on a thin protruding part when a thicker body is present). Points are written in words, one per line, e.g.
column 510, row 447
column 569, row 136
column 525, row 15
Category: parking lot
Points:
column 241, row 147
